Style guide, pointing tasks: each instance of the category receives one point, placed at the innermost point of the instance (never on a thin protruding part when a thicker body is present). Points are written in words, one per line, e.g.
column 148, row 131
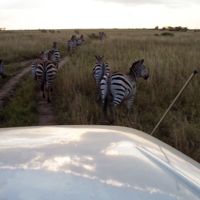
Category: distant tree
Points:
column 156, row 28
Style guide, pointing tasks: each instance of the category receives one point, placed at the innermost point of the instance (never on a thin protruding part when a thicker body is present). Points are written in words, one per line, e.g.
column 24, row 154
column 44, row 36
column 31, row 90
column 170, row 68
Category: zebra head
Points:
column 51, row 56
column 73, row 37
column 99, row 58
column 55, row 45
column 2, row 69
column 42, row 55
column 82, row 37
column 138, row 69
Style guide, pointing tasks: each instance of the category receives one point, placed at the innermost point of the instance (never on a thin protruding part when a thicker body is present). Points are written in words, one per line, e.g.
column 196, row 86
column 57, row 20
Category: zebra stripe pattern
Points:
column 99, row 70
column 46, row 72
column 56, row 53
column 2, row 73
column 121, row 87
column 36, row 62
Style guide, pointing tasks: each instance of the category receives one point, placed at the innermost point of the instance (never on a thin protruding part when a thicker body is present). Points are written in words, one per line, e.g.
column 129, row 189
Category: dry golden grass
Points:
column 169, row 61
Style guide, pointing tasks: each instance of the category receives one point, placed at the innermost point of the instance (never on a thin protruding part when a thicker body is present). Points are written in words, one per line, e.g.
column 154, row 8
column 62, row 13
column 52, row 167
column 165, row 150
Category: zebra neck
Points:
column 133, row 76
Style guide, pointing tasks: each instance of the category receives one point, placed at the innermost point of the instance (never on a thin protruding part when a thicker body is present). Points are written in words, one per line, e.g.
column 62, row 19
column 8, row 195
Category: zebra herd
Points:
column 109, row 84
column 119, row 86
column 45, row 69
column 74, row 43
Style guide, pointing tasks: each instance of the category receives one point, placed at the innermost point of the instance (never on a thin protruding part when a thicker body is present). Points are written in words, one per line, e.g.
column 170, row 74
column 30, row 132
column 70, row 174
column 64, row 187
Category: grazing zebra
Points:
column 121, row 86
column 71, row 45
column 2, row 69
column 80, row 41
column 56, row 59
column 46, row 72
column 35, row 63
column 98, row 71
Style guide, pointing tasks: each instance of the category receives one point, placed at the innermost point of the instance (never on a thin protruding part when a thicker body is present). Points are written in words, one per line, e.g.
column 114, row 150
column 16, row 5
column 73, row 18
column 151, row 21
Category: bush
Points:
column 167, row 34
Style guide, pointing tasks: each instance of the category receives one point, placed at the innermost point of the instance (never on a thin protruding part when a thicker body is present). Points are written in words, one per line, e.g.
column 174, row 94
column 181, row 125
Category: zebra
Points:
column 121, row 86
column 2, row 73
column 102, row 36
column 36, row 62
column 71, row 45
column 80, row 41
column 56, row 53
column 98, row 71
column 46, row 72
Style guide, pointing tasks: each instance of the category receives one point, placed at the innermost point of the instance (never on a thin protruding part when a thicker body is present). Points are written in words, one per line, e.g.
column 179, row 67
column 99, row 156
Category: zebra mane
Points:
column 134, row 65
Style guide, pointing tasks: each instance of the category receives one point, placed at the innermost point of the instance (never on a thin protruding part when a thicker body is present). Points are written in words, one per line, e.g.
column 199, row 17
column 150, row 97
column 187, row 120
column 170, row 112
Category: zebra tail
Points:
column 106, row 99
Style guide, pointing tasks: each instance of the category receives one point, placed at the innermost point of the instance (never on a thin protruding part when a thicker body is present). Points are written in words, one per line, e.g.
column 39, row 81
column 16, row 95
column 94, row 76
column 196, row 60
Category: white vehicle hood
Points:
column 92, row 162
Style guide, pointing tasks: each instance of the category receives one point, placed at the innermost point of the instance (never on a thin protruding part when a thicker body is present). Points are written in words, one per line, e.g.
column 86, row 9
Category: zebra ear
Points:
column 142, row 60
column 96, row 56
column 0, row 61
column 102, row 56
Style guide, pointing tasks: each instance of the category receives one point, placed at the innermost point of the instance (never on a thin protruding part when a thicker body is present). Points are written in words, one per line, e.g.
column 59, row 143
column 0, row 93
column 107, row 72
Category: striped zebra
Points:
column 98, row 71
column 46, row 72
column 79, row 41
column 36, row 62
column 56, row 59
column 71, row 45
column 2, row 73
column 121, row 87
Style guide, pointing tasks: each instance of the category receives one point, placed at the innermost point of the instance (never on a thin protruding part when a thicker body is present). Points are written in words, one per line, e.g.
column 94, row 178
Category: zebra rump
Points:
column 46, row 72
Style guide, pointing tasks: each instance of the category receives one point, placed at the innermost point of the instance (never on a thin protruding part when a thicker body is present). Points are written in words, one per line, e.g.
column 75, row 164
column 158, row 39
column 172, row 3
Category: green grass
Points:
column 20, row 107
column 11, row 71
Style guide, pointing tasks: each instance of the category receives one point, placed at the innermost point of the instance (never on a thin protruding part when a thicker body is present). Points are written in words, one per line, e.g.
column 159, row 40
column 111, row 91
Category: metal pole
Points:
column 195, row 72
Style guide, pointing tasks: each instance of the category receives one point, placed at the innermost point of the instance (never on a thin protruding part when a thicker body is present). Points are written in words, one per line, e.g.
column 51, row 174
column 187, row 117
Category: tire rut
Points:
column 8, row 86
column 46, row 112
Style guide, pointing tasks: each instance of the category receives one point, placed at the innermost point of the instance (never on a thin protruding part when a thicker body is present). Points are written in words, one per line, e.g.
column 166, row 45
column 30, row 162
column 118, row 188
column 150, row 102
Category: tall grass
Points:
column 169, row 61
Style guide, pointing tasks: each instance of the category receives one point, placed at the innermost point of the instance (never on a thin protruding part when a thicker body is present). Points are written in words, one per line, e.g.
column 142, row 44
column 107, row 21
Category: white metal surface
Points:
column 92, row 162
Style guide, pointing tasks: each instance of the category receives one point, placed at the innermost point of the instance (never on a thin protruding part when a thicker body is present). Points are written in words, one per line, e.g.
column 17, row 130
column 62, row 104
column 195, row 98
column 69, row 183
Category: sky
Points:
column 92, row 14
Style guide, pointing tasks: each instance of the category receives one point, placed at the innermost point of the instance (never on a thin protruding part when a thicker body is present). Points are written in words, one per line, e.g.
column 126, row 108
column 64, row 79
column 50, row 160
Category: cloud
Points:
column 167, row 3
column 21, row 4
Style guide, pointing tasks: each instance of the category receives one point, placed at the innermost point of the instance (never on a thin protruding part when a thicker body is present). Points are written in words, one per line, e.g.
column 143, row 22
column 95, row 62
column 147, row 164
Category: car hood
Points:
column 92, row 162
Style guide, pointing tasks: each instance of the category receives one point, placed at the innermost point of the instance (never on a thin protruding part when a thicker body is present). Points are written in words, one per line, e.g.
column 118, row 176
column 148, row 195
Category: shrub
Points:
column 167, row 34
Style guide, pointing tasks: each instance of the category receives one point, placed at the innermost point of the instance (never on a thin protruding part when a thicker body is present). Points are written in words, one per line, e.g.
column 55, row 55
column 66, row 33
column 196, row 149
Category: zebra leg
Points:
column 48, row 99
column 129, row 104
column 112, row 106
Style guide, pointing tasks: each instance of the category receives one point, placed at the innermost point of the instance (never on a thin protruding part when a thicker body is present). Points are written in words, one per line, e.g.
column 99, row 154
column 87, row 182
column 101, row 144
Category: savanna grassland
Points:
column 169, row 62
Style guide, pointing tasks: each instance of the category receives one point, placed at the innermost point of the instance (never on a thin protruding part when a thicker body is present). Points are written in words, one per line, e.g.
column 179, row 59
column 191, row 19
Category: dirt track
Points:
column 46, row 115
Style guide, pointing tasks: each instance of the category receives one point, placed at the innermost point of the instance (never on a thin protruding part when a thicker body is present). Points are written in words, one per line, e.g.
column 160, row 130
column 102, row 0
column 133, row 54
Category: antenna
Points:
column 195, row 72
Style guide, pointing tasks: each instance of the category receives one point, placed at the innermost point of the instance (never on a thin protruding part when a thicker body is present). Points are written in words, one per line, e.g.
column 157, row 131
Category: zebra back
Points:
column 56, row 53
column 42, row 56
column 2, row 73
column 100, row 69
column 46, row 71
